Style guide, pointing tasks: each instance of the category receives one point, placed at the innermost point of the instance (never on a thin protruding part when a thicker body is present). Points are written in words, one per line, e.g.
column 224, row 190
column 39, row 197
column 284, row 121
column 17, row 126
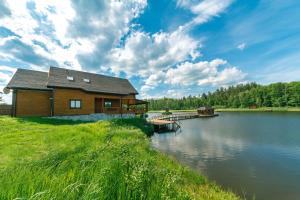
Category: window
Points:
column 70, row 78
column 107, row 104
column 75, row 104
column 86, row 80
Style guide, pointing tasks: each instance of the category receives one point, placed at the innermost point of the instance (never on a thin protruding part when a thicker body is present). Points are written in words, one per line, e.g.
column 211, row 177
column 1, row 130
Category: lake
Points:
column 252, row 154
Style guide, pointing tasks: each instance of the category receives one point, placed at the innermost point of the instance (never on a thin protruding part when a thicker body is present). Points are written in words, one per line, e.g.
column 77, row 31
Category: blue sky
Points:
column 166, row 48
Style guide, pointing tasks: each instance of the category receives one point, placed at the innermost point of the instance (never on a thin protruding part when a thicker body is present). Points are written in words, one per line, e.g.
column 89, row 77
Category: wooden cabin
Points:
column 68, row 92
column 206, row 110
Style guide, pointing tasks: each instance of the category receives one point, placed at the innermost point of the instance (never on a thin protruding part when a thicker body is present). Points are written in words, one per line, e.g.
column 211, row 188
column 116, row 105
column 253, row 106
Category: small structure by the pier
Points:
column 206, row 111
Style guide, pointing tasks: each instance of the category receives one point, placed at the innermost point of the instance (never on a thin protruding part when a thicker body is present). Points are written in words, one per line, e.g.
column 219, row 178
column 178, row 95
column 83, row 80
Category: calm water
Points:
column 253, row 154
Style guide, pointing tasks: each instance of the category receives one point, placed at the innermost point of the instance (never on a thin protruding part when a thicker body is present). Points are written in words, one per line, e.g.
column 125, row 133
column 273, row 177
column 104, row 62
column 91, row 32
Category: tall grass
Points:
column 53, row 159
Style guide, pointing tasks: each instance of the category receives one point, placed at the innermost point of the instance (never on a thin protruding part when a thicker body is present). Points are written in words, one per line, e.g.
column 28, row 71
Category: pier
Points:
column 165, row 123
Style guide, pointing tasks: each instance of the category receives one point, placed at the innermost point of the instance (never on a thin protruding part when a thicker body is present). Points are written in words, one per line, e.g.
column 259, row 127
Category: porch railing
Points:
column 118, row 110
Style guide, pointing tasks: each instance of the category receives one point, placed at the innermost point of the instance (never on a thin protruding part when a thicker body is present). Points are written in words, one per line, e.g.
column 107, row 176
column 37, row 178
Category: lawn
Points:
column 55, row 159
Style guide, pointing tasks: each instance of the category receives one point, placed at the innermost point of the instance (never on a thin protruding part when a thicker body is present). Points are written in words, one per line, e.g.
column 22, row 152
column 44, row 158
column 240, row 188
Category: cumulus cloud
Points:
column 25, row 53
column 103, row 23
column 37, row 33
column 144, row 54
column 151, row 82
column 202, row 73
column 76, row 34
column 189, row 73
column 225, row 77
column 98, row 36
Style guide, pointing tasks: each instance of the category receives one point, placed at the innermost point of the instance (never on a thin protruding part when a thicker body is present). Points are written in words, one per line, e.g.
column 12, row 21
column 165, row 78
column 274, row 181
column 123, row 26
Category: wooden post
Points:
column 52, row 104
column 14, row 103
column 121, row 107
column 103, row 108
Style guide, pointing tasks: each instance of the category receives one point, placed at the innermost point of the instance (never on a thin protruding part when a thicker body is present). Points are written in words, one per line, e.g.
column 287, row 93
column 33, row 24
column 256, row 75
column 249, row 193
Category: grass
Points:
column 55, row 159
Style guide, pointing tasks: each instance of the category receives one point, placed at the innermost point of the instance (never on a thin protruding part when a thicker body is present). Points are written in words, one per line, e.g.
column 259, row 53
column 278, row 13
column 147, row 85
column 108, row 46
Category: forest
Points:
column 250, row 95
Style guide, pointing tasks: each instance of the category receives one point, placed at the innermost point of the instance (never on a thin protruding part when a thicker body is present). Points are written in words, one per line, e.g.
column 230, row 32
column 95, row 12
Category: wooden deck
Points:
column 170, row 122
column 161, row 125
column 161, row 122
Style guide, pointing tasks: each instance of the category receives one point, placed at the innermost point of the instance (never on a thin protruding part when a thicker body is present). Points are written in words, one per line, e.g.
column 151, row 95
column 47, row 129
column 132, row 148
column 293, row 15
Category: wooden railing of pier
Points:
column 171, row 122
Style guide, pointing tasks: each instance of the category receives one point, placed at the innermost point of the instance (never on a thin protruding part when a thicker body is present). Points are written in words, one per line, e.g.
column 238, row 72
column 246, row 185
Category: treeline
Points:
column 239, row 96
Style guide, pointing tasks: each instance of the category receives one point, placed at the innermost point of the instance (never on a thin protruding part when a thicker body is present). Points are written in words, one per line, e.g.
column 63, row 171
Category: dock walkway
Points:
column 170, row 122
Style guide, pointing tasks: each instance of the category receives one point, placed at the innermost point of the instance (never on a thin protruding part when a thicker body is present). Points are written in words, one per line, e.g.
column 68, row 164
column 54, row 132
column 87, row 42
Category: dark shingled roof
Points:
column 29, row 79
column 98, row 83
column 58, row 78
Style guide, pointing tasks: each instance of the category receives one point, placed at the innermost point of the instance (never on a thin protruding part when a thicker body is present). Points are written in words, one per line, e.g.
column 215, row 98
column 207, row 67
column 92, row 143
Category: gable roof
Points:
column 57, row 77
column 29, row 79
column 98, row 83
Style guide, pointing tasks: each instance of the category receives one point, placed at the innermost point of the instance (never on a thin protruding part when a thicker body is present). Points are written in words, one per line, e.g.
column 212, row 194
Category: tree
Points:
column 242, row 95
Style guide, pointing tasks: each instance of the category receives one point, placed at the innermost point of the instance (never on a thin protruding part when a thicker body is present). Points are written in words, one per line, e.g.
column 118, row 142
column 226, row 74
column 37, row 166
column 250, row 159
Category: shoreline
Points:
column 263, row 109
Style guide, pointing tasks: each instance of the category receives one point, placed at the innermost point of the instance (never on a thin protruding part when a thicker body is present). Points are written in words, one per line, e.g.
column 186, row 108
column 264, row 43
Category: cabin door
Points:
column 98, row 105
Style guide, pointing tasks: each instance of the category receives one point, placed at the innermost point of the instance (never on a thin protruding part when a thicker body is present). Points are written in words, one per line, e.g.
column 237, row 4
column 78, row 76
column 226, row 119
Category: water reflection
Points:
column 253, row 153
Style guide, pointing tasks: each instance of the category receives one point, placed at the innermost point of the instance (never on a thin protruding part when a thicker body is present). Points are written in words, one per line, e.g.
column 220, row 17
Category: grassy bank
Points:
column 53, row 159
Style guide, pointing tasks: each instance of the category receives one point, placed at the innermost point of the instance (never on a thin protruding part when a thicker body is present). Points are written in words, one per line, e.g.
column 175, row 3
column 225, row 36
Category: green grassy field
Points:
column 53, row 159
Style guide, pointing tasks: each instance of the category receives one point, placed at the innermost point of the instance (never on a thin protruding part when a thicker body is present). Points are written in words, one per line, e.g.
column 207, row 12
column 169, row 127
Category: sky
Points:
column 166, row 48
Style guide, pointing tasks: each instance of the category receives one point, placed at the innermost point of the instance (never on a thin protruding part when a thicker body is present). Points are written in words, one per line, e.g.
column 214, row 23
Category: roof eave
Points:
column 90, row 91
column 27, row 88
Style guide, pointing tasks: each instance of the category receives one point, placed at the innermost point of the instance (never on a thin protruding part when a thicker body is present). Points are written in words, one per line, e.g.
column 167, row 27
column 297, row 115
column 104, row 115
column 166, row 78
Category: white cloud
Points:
column 204, row 10
column 5, row 75
column 202, row 73
column 155, row 79
column 226, row 77
column 4, row 78
column 190, row 73
column 145, row 54
column 73, row 34
column 174, row 93
column 103, row 23
column 7, row 98
column 241, row 46
column 151, row 82
column 41, row 31
column 98, row 36
column 8, row 69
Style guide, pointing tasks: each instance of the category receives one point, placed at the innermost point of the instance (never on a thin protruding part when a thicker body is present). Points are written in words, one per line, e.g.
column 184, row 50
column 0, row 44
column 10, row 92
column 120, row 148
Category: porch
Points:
column 120, row 106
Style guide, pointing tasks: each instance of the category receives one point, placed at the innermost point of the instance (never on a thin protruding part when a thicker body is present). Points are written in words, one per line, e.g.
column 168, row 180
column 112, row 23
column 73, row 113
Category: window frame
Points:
column 107, row 106
column 75, row 101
